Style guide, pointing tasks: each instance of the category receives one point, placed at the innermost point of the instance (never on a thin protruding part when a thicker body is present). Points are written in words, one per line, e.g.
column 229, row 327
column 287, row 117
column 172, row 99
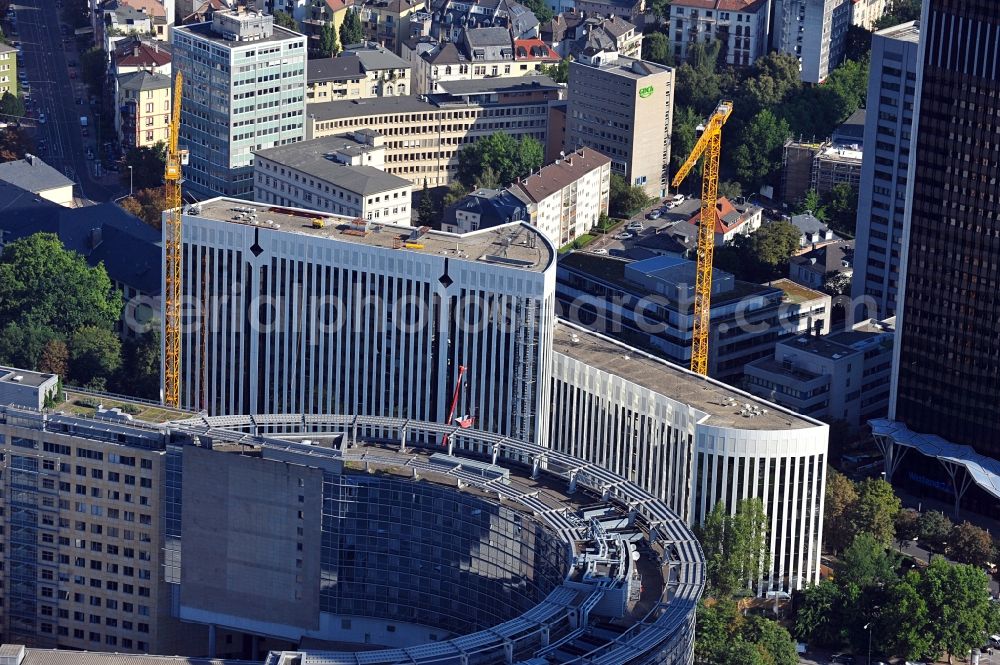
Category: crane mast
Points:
column 710, row 145
column 172, row 249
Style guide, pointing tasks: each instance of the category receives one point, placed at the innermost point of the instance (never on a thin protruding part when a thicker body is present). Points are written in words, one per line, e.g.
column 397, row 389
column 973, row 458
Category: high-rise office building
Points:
column 306, row 312
column 946, row 384
column 623, row 108
column 244, row 90
column 815, row 31
column 882, row 194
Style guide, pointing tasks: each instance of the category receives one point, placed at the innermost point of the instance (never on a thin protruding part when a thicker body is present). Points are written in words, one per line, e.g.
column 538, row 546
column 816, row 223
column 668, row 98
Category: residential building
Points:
column 630, row 10
column 133, row 54
column 814, row 31
column 692, row 442
column 623, row 108
column 741, row 26
column 567, row 198
column 198, row 11
column 34, row 175
column 481, row 53
column 819, row 167
column 814, row 267
column 341, row 174
column 118, row 18
column 362, row 71
column 572, row 33
column 244, row 90
column 812, row 229
column 866, row 13
column 8, row 69
column 483, row 209
column 843, row 376
column 83, row 538
column 945, row 389
column 381, row 308
column 882, row 198
column 142, row 109
column 450, row 18
column 649, row 304
column 422, row 138
column 313, row 16
column 852, row 130
column 732, row 220
column 386, row 22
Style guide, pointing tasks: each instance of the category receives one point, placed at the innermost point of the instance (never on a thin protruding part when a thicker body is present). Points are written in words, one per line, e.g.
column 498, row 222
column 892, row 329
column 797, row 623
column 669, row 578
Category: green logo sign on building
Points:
column 646, row 92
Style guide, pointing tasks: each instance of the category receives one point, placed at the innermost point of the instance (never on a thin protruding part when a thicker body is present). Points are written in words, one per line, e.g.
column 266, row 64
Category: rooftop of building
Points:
column 353, row 63
column 795, row 293
column 905, row 32
column 533, row 49
column 509, row 84
column 483, row 37
column 32, row 656
column 808, row 223
column 844, row 343
column 831, row 257
column 23, row 377
column 728, row 216
column 361, row 107
column 443, row 54
column 205, row 31
column 848, row 154
column 632, row 68
column 32, row 174
column 561, row 173
column 6, row 48
column 132, row 51
column 722, row 404
column 314, row 158
column 144, row 80
column 515, row 246
column 86, row 403
column 851, row 130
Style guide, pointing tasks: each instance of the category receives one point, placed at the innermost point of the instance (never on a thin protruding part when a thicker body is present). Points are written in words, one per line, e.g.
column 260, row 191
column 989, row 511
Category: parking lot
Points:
column 616, row 244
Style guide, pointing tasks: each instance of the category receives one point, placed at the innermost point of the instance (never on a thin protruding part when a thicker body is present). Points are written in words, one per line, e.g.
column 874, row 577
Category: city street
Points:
column 45, row 64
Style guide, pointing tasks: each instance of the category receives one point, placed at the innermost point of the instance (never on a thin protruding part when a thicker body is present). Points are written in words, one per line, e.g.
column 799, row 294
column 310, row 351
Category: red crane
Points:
column 462, row 422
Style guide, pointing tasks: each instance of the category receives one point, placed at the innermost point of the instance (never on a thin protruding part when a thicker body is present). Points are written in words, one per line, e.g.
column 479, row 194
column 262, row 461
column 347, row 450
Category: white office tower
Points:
column 815, row 31
column 693, row 442
column 244, row 90
column 296, row 311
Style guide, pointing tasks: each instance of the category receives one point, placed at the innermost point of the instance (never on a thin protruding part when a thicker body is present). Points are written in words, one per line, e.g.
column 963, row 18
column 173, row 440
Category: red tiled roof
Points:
column 135, row 53
column 533, row 49
column 337, row 5
column 151, row 7
column 723, row 208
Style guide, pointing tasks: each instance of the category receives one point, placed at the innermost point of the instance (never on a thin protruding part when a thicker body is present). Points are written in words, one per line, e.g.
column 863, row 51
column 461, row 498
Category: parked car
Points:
column 624, row 236
column 637, row 225
column 843, row 658
column 653, row 214
column 41, row 118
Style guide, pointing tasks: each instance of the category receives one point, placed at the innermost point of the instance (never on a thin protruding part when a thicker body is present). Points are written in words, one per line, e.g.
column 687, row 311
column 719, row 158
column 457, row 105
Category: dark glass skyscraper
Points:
column 948, row 368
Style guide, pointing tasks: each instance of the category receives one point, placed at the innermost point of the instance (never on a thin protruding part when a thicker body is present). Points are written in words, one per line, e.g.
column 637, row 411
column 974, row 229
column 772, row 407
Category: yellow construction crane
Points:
column 709, row 144
column 172, row 247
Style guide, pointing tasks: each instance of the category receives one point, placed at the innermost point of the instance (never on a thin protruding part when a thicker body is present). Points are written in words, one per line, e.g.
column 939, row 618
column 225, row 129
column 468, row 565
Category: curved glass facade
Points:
column 415, row 552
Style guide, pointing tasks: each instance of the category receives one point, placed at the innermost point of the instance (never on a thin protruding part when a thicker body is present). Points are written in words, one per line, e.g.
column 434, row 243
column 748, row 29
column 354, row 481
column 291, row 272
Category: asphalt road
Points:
column 55, row 95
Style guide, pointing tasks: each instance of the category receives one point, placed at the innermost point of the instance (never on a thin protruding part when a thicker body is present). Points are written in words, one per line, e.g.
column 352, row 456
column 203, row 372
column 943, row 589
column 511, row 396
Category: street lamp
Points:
column 130, row 180
column 868, row 627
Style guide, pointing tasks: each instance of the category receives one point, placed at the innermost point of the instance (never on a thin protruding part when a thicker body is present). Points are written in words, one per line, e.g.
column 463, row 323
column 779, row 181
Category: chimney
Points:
column 29, row 158
column 135, row 50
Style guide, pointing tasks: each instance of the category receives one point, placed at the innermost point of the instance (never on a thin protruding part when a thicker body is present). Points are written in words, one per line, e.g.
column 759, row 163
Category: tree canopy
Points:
column 656, row 48
column 841, row 495
column 735, row 545
column 876, row 509
column 147, row 205
column 498, row 160
column 758, row 156
column 11, row 106
column 970, row 544
column 625, row 200
column 350, row 30
column 285, row 20
column 328, row 46
column 147, row 164
column 726, row 637
column 762, row 255
column 540, row 9
column 558, row 72
column 13, row 144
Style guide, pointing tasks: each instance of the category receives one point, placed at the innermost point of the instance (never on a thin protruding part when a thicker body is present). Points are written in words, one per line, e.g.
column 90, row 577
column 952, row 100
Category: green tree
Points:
column 660, row 8
column 95, row 356
column 540, row 9
column 508, row 159
column 774, row 77
column 285, row 20
column 858, row 43
column 736, row 555
column 350, row 30
column 147, row 205
column 147, row 166
column 684, row 138
column 900, row 11
column 456, row 192
column 42, row 284
column 140, row 370
column 907, row 524
column 811, row 203
column 725, row 637
column 934, row 527
column 959, row 608
column 558, row 72
column 841, row 204
column 876, row 509
column 905, row 618
column 866, row 563
column 625, row 200
column 13, row 144
column 11, row 106
column 818, row 620
column 730, row 189
column 774, row 243
column 328, row 45
column 758, row 157
column 656, row 48
column 425, row 210
column 771, row 640
column 24, row 344
column 93, row 69
column 697, row 82
column 836, row 283
column 970, row 544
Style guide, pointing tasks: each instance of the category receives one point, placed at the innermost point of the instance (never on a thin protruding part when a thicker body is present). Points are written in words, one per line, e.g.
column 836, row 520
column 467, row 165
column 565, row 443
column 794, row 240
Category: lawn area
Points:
column 579, row 243
column 85, row 404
